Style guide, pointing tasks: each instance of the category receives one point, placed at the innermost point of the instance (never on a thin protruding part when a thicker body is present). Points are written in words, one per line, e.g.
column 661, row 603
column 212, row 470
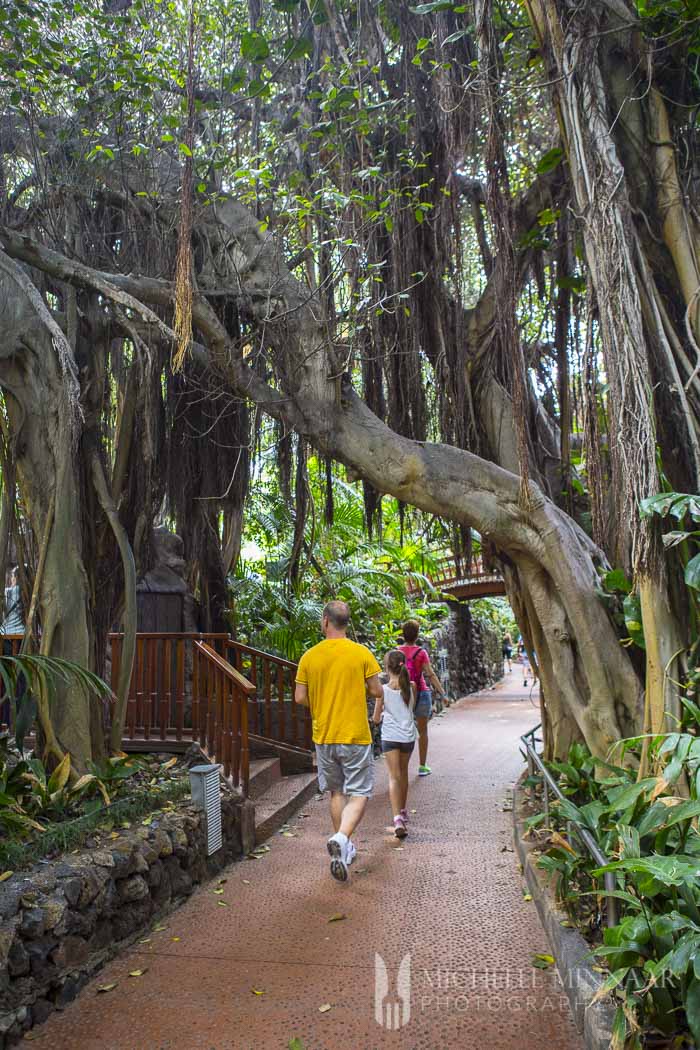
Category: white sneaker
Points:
column 337, row 847
column 352, row 853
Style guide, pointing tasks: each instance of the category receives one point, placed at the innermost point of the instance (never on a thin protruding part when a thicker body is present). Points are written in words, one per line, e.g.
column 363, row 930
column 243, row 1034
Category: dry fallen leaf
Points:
column 289, row 834
column 107, row 987
column 159, row 929
column 399, row 849
column 246, row 882
column 169, row 764
column 5, row 875
column 337, row 917
column 563, row 843
column 527, row 896
column 175, row 938
column 145, row 940
column 257, row 991
column 218, row 891
column 222, row 904
column 137, row 973
column 542, row 960
column 325, row 1008
column 414, row 811
column 220, row 882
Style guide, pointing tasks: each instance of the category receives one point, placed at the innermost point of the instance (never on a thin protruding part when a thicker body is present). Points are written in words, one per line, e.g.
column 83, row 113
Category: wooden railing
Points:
column 220, row 696
column 277, row 716
column 179, row 694
column 161, row 695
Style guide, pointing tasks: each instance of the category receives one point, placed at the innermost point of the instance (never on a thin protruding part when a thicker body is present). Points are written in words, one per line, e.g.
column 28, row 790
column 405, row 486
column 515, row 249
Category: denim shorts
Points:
column 348, row 768
column 424, row 704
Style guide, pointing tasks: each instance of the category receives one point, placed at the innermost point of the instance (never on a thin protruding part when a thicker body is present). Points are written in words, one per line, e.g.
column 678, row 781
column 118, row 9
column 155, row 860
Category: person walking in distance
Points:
column 508, row 651
column 418, row 667
column 333, row 679
column 398, row 734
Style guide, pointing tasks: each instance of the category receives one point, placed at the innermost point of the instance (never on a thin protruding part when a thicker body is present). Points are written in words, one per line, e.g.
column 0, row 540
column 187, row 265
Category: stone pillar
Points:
column 473, row 651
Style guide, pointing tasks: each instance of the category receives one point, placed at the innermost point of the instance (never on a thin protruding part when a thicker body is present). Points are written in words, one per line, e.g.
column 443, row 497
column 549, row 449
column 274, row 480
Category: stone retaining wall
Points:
column 62, row 920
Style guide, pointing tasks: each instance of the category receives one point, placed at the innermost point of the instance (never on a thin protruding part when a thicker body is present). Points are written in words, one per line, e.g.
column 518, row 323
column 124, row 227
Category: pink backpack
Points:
column 414, row 666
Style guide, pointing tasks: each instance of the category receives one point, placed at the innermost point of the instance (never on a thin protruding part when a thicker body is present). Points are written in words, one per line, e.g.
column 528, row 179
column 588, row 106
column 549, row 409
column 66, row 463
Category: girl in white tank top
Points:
column 398, row 734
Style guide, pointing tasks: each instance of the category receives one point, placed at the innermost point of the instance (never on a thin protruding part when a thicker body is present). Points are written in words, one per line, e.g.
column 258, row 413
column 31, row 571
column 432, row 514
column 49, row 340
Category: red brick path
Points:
column 452, row 897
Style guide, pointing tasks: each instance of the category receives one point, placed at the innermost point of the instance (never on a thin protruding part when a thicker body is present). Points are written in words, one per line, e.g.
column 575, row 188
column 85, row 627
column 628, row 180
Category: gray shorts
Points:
column 348, row 768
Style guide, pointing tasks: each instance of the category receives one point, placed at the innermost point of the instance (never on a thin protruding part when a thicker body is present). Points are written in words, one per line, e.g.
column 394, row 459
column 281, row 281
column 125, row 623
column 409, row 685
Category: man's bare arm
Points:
column 301, row 694
column 374, row 687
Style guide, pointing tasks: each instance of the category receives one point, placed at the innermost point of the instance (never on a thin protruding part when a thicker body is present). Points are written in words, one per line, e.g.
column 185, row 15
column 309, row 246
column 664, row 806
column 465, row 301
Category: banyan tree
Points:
column 453, row 247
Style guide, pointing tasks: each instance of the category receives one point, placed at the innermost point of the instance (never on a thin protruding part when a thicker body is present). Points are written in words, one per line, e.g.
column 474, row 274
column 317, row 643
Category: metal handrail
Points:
column 550, row 784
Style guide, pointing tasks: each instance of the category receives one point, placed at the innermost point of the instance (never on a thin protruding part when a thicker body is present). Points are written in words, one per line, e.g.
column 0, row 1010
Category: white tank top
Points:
column 398, row 724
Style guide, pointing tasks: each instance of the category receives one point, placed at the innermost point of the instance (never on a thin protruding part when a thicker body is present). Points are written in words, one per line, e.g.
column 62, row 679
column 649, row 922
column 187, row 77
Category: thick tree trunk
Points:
column 43, row 433
column 613, row 119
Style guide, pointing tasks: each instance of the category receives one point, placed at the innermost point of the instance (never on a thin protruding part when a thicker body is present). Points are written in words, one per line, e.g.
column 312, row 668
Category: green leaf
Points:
column 548, row 216
column 672, row 539
column 436, row 5
column 616, row 580
column 254, row 47
column 550, row 160
column 632, row 611
column 184, row 148
column 692, row 1008
column 692, row 573
column 620, row 799
column 453, row 37
column 298, row 48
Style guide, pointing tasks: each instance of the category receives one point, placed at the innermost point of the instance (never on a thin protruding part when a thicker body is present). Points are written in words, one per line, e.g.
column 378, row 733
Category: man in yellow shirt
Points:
column 333, row 679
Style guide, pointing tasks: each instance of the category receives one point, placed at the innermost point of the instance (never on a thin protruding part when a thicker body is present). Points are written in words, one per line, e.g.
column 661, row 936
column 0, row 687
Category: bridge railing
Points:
column 444, row 572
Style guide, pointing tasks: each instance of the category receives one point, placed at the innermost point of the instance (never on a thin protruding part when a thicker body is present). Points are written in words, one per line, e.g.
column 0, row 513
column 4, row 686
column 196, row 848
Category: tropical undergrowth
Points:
column 42, row 814
column 286, row 573
column 646, row 825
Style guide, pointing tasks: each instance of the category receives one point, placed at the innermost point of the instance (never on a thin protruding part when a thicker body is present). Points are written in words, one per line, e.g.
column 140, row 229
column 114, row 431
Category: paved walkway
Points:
column 452, row 897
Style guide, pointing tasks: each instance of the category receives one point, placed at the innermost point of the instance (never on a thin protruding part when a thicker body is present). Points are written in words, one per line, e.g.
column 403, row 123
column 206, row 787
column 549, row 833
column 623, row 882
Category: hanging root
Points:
column 183, row 265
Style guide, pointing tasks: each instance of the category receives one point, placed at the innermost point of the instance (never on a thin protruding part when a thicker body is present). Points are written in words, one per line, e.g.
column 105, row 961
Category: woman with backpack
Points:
column 418, row 667
column 398, row 734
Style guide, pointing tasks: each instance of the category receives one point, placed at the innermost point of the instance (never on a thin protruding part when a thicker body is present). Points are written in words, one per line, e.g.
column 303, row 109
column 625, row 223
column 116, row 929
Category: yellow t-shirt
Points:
column 335, row 672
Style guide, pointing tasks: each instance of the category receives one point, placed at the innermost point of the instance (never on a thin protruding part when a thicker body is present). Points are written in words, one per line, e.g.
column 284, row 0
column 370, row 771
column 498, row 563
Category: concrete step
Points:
column 280, row 801
column 263, row 773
